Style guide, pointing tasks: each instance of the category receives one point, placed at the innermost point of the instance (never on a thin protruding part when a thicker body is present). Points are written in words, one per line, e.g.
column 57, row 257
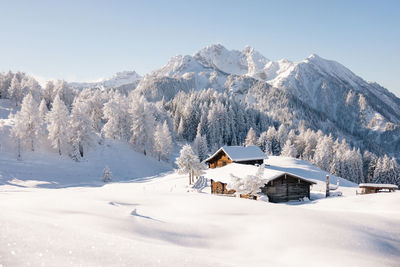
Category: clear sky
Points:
column 88, row 40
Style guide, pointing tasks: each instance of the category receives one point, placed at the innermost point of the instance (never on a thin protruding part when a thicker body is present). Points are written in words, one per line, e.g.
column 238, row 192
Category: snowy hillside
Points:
column 57, row 212
column 48, row 169
column 45, row 168
column 153, row 222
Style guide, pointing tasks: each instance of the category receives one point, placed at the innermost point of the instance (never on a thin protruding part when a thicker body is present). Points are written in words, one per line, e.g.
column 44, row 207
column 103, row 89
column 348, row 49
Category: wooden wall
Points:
column 220, row 188
column 219, row 160
column 286, row 188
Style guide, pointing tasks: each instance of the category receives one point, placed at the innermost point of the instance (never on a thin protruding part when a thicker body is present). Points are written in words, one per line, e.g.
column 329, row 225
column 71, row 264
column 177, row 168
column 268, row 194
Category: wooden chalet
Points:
column 287, row 187
column 239, row 154
column 375, row 188
column 278, row 186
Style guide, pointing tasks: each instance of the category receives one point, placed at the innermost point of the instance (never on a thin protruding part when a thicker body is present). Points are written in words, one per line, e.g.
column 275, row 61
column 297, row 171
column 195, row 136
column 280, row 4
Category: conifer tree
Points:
column 116, row 114
column 107, row 175
column 15, row 90
column 262, row 140
column 43, row 110
column 58, row 125
column 200, row 146
column 162, row 141
column 289, row 149
column 27, row 124
column 82, row 133
column 323, row 153
column 142, row 125
column 251, row 138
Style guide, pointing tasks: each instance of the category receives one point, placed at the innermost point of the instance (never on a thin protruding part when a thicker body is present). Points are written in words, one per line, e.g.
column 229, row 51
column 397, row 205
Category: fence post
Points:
column 327, row 186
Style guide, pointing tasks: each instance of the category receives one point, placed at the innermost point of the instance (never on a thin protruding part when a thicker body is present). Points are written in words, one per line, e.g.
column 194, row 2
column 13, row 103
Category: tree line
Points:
column 73, row 121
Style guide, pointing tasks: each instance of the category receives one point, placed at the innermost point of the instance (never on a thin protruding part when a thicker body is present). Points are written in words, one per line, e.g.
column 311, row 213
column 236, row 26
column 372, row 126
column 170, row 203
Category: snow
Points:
column 58, row 212
column 228, row 61
column 119, row 79
column 241, row 153
column 158, row 222
column 224, row 174
column 61, row 171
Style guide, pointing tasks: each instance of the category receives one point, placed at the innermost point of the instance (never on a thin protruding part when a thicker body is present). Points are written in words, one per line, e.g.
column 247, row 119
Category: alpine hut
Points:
column 278, row 186
column 251, row 155
column 286, row 187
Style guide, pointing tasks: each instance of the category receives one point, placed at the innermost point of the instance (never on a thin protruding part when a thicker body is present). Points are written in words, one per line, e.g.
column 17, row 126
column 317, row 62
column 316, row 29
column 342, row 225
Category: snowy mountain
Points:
column 124, row 78
column 324, row 93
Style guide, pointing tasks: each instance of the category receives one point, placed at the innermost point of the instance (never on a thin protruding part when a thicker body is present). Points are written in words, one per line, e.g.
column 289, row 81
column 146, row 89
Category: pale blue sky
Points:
column 88, row 40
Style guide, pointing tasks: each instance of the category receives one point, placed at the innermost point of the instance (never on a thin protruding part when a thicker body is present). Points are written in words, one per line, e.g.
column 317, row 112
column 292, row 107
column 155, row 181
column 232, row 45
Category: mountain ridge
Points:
column 352, row 104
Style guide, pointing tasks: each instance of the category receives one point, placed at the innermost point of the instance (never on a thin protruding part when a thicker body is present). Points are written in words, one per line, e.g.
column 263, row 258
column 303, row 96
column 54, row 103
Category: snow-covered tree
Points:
column 26, row 128
column 339, row 161
column 357, row 166
column 200, row 146
column 163, row 141
column 268, row 148
column 65, row 93
column 15, row 90
column 43, row 110
column 217, row 117
column 5, row 81
column 262, row 141
column 82, row 133
column 369, row 165
column 282, row 135
column 94, row 101
column 251, row 184
column 107, row 175
column 142, row 125
column 48, row 93
column 307, row 143
column 289, row 150
column 58, row 125
column 273, row 142
column 395, row 172
column 31, row 86
column 181, row 129
column 382, row 171
column 251, row 138
column 116, row 114
column 323, row 153
column 188, row 162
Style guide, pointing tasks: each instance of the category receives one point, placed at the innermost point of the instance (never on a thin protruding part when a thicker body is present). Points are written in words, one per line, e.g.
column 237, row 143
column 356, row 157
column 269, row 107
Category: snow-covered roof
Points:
column 379, row 185
column 241, row 153
column 224, row 174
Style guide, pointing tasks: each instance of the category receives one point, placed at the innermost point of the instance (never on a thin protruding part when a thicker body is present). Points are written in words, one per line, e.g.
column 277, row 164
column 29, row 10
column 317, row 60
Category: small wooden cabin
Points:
column 239, row 154
column 286, row 187
column 375, row 188
column 278, row 186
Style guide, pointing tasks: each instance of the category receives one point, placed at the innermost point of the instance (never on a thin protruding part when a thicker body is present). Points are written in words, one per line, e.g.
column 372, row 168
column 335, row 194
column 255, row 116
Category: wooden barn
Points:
column 376, row 188
column 278, row 186
column 286, row 187
column 239, row 154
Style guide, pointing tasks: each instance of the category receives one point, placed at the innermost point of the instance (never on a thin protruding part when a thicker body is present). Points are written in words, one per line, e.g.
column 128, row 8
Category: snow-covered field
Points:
column 159, row 221
column 57, row 212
